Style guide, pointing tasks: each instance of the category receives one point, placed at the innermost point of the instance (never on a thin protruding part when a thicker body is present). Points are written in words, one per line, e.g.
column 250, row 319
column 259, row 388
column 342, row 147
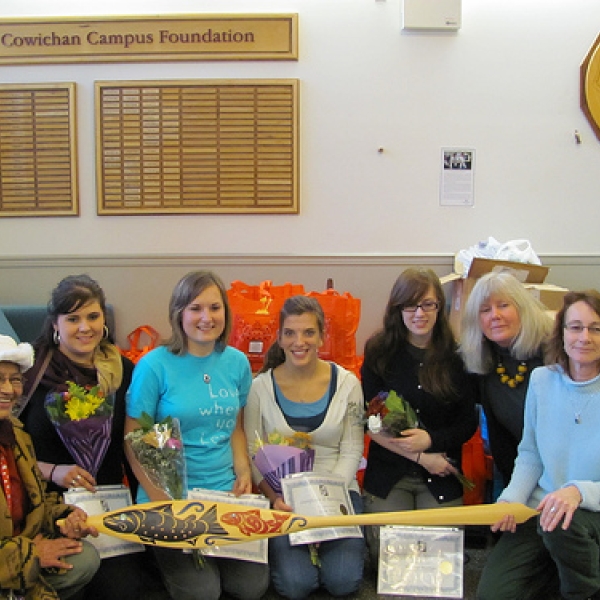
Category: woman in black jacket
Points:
column 415, row 355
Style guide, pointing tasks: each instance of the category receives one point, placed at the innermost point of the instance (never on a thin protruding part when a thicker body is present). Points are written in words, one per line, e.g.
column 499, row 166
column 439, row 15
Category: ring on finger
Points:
column 553, row 509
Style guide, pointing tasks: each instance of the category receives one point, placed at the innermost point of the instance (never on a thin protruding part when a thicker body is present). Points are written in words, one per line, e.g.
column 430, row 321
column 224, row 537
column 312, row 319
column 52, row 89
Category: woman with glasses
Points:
column 414, row 354
column 503, row 336
column 557, row 471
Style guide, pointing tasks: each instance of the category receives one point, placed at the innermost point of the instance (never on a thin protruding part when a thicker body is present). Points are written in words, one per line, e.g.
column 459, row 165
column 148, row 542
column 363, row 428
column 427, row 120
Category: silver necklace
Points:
column 579, row 412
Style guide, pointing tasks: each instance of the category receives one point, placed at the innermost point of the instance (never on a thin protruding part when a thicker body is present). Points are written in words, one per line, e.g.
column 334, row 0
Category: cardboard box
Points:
column 551, row 296
column 461, row 287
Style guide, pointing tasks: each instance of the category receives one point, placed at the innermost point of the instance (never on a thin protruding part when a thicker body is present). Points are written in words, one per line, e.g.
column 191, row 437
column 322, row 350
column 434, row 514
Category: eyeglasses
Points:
column 14, row 380
column 577, row 328
column 427, row 306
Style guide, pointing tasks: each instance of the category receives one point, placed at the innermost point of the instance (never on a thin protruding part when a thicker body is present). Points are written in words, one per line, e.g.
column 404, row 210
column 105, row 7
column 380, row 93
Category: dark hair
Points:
column 187, row 289
column 555, row 353
column 381, row 348
column 294, row 305
column 70, row 295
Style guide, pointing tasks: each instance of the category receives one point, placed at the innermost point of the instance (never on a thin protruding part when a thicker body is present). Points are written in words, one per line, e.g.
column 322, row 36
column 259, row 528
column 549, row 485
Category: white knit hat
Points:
column 20, row 354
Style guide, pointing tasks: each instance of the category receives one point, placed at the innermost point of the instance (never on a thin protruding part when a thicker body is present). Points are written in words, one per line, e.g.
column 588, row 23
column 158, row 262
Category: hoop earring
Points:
column 106, row 332
column 56, row 337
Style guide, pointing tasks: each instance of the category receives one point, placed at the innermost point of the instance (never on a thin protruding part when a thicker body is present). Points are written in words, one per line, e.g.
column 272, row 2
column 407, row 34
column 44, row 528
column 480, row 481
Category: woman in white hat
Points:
column 28, row 530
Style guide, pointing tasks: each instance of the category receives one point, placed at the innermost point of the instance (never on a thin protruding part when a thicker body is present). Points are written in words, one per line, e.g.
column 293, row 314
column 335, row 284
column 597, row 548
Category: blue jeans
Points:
column 342, row 561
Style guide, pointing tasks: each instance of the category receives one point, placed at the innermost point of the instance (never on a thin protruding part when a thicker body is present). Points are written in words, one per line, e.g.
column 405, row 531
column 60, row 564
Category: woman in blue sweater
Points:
column 557, row 470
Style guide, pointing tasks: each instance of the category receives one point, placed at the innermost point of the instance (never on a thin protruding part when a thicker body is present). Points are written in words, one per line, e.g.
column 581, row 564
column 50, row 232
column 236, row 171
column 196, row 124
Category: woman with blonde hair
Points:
column 503, row 334
column 503, row 337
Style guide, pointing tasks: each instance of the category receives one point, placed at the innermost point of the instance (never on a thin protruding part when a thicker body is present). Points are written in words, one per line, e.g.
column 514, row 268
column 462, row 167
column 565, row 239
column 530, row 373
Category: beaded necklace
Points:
column 519, row 377
column 6, row 481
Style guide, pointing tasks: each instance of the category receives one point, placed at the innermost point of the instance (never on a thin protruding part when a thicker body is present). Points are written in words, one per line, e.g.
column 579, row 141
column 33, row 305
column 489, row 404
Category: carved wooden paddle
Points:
column 201, row 524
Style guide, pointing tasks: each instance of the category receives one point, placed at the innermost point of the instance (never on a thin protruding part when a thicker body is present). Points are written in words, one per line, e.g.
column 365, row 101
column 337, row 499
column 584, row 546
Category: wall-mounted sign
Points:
column 590, row 86
column 149, row 38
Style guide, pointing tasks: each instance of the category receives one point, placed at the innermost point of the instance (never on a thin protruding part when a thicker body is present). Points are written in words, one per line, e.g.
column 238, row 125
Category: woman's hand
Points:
column 556, row 505
column 279, row 504
column 413, row 440
column 437, row 464
column 73, row 476
column 506, row 523
column 50, row 552
column 243, row 483
column 75, row 525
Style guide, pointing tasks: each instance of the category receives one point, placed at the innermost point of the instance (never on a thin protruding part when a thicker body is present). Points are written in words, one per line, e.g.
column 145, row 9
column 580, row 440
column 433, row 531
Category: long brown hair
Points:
column 435, row 377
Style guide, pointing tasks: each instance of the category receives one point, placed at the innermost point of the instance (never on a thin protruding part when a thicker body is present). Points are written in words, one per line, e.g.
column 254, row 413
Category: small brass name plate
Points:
column 149, row 38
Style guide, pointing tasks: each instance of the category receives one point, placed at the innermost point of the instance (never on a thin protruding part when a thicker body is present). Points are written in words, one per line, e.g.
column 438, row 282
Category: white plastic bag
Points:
column 518, row 251
column 513, row 250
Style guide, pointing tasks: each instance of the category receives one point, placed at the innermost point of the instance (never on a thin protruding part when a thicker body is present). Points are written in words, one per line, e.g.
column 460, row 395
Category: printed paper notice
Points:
column 456, row 180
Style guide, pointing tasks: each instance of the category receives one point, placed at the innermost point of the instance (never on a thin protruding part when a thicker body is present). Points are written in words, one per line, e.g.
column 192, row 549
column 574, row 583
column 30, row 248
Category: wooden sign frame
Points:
column 38, row 150
column 144, row 38
column 197, row 146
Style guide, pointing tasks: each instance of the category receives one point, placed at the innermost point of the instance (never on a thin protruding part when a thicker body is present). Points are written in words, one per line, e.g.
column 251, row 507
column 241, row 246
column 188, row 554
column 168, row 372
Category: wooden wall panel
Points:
column 38, row 171
column 197, row 147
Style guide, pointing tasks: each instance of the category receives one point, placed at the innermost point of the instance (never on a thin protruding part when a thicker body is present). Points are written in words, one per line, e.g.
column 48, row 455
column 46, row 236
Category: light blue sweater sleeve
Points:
column 560, row 443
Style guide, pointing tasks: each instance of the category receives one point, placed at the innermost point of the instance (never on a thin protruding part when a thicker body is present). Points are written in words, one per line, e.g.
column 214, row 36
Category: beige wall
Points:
column 139, row 287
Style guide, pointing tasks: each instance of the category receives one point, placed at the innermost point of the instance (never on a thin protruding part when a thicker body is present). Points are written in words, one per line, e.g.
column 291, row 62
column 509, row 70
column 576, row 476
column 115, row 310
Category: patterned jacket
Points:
column 19, row 563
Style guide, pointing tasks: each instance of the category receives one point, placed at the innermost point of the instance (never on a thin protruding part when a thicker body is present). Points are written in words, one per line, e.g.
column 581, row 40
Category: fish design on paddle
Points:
column 250, row 522
column 161, row 524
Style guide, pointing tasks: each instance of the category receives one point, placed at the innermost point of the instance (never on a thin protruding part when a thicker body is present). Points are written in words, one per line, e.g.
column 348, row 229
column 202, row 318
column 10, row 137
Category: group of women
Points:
column 541, row 421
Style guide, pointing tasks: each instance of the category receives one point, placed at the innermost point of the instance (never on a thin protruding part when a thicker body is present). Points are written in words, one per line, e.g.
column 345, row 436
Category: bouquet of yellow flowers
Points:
column 158, row 447
column 82, row 417
column 283, row 455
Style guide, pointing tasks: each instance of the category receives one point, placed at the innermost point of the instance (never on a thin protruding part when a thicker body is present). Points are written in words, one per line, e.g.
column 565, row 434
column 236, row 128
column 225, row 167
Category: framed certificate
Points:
column 421, row 561
column 256, row 551
column 311, row 495
column 106, row 498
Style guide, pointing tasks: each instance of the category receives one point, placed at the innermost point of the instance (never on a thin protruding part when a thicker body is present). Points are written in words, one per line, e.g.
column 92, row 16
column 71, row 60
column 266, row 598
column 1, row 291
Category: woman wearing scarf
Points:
column 74, row 347
column 36, row 562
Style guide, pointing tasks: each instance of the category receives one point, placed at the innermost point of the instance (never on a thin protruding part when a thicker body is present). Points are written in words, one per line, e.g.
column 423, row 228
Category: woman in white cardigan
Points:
column 296, row 391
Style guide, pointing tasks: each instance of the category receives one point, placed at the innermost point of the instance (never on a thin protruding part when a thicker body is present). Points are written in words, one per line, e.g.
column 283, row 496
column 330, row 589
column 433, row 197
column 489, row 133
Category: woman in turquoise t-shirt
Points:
column 198, row 379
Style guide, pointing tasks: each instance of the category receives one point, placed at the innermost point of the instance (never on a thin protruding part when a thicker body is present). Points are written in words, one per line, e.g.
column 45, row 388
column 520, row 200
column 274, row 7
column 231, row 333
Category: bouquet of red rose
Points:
column 82, row 417
column 391, row 414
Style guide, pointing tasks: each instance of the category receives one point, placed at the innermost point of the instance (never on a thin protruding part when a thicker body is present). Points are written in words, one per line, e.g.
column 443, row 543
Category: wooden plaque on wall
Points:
column 210, row 146
column 38, row 171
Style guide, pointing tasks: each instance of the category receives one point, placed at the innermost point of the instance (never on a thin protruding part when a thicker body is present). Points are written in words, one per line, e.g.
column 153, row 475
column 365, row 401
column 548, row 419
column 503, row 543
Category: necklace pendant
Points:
column 577, row 418
column 206, row 378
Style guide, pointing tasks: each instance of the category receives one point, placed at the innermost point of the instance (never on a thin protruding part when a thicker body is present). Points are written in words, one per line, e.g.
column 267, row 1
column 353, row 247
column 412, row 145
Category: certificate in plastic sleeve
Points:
column 314, row 495
column 105, row 499
column 256, row 551
column 421, row 561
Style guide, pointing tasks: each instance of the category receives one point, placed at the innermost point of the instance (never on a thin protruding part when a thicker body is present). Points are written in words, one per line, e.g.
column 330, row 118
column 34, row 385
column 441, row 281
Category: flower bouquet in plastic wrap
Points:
column 280, row 456
column 82, row 417
column 158, row 447
column 391, row 414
